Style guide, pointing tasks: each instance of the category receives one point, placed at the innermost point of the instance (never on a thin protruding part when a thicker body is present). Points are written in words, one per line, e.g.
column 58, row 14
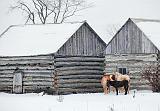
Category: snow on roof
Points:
column 23, row 40
column 151, row 29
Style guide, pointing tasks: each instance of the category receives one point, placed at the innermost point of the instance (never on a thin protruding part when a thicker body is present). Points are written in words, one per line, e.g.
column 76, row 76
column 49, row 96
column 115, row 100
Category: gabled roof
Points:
column 23, row 40
column 151, row 29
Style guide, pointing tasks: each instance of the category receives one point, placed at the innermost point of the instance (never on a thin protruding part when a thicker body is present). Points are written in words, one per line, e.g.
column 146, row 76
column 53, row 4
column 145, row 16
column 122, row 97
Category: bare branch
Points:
column 112, row 29
column 58, row 10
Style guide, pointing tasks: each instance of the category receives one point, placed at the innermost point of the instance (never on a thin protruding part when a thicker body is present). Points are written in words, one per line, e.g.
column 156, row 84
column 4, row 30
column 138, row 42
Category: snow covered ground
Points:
column 143, row 101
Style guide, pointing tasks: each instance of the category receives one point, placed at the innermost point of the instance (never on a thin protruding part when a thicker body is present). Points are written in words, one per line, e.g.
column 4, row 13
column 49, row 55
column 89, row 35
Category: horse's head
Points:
column 113, row 78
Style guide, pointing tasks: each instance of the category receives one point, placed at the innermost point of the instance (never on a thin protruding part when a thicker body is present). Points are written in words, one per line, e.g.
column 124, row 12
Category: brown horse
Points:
column 112, row 78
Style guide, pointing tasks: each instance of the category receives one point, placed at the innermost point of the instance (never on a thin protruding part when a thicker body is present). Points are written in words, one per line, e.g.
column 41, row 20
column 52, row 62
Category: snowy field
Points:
column 143, row 101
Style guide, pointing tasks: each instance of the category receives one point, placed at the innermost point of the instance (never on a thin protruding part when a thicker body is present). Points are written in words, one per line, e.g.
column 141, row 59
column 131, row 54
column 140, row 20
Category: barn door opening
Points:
column 17, row 82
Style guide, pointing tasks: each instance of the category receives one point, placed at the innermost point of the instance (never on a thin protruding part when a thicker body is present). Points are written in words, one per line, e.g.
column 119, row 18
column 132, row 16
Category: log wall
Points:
column 63, row 74
column 37, row 72
column 135, row 64
column 78, row 74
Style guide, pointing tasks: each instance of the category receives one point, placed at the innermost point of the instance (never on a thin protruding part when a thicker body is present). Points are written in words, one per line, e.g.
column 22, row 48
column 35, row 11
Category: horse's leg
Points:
column 104, row 85
column 126, row 88
column 105, row 89
column 108, row 87
column 117, row 90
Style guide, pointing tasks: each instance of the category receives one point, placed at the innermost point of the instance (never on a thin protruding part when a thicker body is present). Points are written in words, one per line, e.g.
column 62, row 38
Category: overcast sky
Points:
column 100, row 16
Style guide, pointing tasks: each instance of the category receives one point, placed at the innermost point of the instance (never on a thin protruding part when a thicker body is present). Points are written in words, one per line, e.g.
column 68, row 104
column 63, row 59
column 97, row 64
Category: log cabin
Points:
column 63, row 58
column 133, row 48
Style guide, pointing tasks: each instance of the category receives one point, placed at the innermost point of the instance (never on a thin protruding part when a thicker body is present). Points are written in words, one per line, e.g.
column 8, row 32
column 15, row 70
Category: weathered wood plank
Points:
column 77, row 72
column 46, row 75
column 99, row 68
column 80, row 85
column 46, row 83
column 80, row 77
column 47, row 56
column 42, row 79
column 68, row 81
column 66, row 64
column 3, row 68
column 79, row 59
column 12, row 62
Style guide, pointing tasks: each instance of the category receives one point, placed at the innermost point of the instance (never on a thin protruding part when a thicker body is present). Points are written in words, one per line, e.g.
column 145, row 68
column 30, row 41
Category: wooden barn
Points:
column 133, row 48
column 62, row 58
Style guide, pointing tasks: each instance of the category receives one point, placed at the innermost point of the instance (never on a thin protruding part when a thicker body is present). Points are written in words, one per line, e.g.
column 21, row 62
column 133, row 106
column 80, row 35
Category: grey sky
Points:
column 104, row 13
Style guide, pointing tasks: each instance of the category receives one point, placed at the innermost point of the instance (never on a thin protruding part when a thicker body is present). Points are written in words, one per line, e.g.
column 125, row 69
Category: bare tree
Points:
column 112, row 29
column 152, row 74
column 57, row 10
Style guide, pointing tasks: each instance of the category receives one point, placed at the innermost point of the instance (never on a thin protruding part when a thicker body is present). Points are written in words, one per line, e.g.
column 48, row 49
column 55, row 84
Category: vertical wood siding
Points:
column 84, row 42
column 130, row 40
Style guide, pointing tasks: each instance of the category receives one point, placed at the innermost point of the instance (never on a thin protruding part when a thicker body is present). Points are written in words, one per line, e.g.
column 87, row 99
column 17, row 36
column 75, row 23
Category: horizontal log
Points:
column 40, row 79
column 6, row 79
column 36, row 86
column 37, row 91
column 46, row 83
column 24, row 62
column 80, row 68
column 130, row 57
column 6, row 83
column 7, row 71
column 137, row 70
column 80, row 85
column 7, row 90
column 77, row 72
column 3, row 68
column 46, row 56
column 27, row 72
column 7, row 75
column 6, row 86
column 79, row 59
column 68, row 81
column 38, row 72
column 46, row 75
column 80, row 77
column 67, row 64
column 133, row 66
column 68, row 56
column 128, row 62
